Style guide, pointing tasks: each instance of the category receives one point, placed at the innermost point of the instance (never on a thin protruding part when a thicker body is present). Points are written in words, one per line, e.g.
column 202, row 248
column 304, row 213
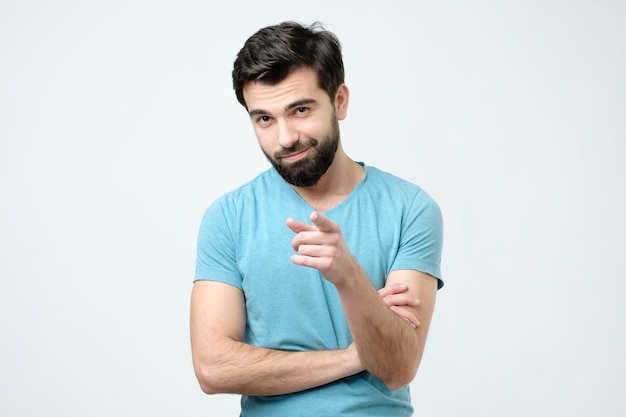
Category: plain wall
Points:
column 118, row 126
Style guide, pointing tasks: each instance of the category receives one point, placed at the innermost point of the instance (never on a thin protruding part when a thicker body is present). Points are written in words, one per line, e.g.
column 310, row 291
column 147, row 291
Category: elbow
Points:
column 215, row 375
column 399, row 377
column 396, row 382
column 403, row 371
column 207, row 387
column 211, row 380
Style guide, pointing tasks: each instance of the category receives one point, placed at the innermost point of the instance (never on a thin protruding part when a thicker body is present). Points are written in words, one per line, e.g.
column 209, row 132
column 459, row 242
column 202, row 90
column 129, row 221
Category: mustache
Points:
column 297, row 147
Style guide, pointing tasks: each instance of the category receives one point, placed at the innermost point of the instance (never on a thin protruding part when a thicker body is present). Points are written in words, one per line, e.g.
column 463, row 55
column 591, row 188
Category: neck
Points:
column 335, row 185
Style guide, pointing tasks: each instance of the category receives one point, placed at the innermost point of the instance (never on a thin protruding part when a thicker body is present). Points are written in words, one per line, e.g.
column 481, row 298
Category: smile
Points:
column 296, row 156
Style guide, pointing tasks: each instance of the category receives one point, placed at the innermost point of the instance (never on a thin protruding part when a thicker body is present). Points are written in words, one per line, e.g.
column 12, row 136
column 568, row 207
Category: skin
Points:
column 224, row 364
column 389, row 326
column 387, row 346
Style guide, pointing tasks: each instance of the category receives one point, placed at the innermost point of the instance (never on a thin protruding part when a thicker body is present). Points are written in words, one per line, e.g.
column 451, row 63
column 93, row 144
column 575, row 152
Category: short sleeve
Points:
column 216, row 249
column 421, row 239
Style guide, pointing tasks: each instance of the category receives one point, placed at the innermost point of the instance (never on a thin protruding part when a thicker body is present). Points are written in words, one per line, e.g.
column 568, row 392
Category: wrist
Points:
column 351, row 360
column 352, row 276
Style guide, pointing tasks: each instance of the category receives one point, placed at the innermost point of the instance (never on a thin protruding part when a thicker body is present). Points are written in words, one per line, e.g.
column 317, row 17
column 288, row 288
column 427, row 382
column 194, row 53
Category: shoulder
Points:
column 253, row 189
column 397, row 188
column 232, row 204
column 388, row 180
column 406, row 200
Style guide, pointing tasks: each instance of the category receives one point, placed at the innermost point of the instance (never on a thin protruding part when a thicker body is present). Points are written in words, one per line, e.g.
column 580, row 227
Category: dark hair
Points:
column 273, row 52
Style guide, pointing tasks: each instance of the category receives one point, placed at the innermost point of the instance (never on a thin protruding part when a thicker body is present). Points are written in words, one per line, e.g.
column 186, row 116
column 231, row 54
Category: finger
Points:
column 313, row 238
column 410, row 318
column 324, row 224
column 396, row 288
column 401, row 300
column 406, row 315
column 315, row 251
column 321, row 264
column 298, row 227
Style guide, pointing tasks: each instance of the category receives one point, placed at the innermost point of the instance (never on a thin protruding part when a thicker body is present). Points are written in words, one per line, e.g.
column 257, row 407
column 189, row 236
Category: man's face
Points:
column 296, row 125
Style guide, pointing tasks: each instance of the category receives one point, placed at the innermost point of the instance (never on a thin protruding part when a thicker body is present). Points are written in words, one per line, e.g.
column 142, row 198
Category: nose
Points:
column 287, row 134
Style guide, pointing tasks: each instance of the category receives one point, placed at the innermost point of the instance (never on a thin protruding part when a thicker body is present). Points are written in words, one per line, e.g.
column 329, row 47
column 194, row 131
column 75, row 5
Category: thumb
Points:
column 298, row 227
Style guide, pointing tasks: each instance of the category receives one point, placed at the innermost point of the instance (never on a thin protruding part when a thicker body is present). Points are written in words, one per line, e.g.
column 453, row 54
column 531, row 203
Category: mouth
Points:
column 296, row 156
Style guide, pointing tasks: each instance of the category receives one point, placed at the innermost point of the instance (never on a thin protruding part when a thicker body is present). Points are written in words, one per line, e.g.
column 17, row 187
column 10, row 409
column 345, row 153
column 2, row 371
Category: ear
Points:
column 342, row 98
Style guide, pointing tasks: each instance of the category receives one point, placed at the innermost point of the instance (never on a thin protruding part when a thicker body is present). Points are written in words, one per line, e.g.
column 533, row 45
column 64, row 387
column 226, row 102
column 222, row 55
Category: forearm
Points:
column 388, row 346
column 235, row 367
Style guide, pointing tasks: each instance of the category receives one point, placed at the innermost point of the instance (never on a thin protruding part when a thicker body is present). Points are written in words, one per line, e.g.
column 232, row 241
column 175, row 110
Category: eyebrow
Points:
column 295, row 104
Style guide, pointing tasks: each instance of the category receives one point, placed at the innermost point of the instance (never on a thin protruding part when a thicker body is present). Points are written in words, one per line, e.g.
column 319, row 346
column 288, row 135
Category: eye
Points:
column 301, row 110
column 263, row 120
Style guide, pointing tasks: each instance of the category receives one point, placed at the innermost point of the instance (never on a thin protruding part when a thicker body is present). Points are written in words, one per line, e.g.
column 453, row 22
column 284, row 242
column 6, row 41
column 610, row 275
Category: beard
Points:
column 307, row 171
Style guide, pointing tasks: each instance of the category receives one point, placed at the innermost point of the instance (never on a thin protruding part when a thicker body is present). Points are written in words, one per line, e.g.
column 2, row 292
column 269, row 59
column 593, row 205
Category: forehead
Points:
column 300, row 84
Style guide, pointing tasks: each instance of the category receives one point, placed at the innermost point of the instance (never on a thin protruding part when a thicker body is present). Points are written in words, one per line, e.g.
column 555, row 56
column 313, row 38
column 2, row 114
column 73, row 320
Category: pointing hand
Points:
column 321, row 246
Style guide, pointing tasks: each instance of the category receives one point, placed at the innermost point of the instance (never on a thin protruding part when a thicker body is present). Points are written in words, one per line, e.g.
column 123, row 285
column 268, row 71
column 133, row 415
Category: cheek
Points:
column 265, row 137
column 313, row 129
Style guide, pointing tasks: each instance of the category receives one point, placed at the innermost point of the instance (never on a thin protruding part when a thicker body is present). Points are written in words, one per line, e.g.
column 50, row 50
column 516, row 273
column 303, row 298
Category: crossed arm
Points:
column 388, row 338
column 223, row 363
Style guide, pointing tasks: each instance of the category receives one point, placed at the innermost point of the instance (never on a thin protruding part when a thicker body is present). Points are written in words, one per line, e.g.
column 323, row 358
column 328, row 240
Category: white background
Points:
column 118, row 126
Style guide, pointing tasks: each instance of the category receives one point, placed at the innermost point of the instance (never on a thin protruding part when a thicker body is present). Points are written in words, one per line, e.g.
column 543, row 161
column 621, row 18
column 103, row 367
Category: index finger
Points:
column 323, row 223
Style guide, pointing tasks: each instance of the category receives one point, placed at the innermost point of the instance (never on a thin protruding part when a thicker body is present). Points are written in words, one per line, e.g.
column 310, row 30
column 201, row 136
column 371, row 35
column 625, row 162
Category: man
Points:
column 315, row 282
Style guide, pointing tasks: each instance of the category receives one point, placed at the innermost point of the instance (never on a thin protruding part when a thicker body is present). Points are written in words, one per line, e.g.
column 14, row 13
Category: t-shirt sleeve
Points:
column 421, row 240
column 216, row 250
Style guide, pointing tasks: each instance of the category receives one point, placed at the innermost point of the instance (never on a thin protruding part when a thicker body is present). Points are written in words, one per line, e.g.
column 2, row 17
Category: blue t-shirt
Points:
column 388, row 224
